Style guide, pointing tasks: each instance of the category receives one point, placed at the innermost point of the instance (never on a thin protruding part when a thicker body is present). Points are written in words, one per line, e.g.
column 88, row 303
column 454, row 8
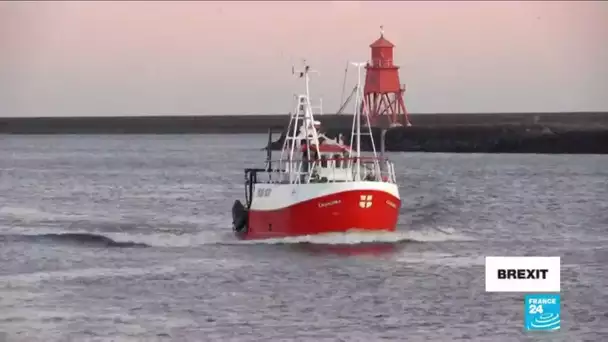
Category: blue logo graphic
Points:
column 542, row 312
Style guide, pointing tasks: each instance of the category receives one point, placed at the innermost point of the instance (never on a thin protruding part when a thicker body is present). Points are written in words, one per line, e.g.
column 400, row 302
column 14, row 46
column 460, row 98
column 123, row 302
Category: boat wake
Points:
column 168, row 240
column 82, row 239
column 100, row 233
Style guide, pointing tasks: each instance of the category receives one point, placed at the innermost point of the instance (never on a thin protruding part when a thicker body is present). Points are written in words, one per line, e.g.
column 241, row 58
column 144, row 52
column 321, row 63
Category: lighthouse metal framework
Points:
column 383, row 92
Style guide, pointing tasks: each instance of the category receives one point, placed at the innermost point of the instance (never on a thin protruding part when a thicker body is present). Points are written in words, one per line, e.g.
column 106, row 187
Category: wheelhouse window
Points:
column 323, row 160
column 337, row 160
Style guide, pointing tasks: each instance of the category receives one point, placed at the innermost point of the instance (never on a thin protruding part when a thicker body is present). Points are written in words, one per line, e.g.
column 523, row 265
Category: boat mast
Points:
column 309, row 120
column 357, row 118
column 361, row 110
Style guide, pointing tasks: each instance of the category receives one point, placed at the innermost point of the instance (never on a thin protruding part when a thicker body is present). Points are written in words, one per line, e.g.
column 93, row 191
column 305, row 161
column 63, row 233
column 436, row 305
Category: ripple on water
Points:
column 128, row 238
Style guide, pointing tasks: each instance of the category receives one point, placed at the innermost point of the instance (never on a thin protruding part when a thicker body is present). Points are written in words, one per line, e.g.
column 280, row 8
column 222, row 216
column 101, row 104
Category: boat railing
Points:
column 328, row 170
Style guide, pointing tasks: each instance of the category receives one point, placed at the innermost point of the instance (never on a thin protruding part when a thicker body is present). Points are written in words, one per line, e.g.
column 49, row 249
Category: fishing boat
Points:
column 319, row 185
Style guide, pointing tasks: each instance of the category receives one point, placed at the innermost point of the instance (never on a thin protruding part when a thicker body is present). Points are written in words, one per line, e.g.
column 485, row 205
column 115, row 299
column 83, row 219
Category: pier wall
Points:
column 583, row 132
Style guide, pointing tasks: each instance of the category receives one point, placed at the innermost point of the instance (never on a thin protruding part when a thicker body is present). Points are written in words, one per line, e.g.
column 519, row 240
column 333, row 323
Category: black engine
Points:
column 239, row 218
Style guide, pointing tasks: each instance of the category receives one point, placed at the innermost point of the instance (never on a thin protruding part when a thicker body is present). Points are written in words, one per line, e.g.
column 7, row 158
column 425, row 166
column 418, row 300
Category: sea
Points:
column 128, row 238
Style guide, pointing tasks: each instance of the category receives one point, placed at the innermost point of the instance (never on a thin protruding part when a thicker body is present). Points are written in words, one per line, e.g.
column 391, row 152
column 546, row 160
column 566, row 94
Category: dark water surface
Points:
column 127, row 238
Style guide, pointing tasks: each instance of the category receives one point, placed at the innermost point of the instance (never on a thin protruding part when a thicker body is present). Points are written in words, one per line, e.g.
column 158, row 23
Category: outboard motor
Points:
column 239, row 218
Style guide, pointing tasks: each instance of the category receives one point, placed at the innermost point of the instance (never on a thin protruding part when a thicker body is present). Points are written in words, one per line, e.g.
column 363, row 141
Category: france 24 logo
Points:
column 542, row 312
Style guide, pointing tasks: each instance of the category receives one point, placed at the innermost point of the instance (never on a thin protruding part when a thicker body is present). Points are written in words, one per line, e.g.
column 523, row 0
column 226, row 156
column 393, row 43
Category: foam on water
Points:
column 176, row 240
column 358, row 237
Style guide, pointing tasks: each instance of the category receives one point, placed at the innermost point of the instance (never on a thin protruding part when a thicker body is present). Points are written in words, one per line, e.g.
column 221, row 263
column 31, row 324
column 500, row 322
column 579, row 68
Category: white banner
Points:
column 523, row 274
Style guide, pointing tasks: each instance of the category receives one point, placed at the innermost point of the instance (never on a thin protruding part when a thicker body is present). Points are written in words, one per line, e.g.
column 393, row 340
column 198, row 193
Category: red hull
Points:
column 328, row 214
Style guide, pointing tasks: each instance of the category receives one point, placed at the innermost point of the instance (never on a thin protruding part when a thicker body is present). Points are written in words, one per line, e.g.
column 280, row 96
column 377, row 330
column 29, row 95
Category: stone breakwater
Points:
column 484, row 139
column 553, row 133
column 485, row 133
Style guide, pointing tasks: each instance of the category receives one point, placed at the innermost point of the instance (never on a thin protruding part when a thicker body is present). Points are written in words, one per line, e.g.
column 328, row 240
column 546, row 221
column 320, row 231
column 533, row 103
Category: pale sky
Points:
column 181, row 58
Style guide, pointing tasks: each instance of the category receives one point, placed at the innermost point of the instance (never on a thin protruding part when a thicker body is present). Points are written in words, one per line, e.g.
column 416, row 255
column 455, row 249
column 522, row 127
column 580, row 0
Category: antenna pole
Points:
column 358, row 128
column 344, row 83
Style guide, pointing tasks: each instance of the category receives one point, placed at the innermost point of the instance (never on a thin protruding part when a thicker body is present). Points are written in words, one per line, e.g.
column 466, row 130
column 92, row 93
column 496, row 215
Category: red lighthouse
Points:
column 383, row 93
